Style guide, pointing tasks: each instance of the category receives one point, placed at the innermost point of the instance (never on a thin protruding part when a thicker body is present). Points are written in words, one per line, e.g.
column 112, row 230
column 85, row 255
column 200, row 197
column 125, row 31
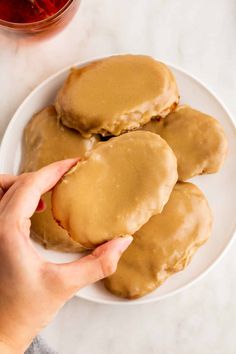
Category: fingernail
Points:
column 125, row 242
column 1, row 193
column 41, row 205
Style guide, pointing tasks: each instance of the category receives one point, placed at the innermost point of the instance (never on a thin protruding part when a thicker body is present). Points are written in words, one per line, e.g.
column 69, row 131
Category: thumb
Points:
column 101, row 263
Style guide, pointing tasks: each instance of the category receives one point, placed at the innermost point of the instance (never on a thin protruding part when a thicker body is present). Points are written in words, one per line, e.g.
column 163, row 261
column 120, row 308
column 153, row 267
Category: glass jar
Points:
column 47, row 26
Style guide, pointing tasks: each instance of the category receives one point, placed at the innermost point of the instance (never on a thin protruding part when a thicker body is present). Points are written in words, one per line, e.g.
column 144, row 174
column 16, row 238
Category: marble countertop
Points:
column 198, row 36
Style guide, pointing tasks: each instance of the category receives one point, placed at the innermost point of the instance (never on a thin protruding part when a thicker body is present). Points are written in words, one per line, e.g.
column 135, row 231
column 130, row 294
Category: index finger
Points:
column 6, row 181
column 23, row 199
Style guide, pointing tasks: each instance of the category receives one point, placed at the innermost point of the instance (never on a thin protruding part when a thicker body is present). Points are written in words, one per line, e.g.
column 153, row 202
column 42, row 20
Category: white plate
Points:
column 219, row 188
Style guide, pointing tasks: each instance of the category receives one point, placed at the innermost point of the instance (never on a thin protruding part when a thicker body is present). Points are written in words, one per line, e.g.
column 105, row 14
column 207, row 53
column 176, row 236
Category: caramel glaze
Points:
column 164, row 245
column 198, row 140
column 116, row 94
column 120, row 184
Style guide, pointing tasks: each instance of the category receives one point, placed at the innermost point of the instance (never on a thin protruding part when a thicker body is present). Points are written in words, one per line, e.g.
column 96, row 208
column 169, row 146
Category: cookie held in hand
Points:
column 119, row 185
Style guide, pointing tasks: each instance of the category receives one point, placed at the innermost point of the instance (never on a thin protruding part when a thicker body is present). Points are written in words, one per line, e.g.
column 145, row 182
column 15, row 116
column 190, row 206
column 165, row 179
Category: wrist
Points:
column 10, row 346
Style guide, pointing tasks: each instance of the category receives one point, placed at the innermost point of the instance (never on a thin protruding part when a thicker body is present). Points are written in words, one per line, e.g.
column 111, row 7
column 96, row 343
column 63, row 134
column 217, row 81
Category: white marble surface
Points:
column 200, row 37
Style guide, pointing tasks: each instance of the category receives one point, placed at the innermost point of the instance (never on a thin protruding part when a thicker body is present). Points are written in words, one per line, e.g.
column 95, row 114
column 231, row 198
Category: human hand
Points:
column 32, row 289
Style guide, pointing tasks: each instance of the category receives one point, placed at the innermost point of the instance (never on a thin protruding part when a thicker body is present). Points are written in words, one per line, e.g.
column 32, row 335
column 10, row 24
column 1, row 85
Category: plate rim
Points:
column 200, row 83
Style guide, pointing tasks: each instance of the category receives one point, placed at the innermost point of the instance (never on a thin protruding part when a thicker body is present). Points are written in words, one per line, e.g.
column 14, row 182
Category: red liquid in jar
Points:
column 26, row 11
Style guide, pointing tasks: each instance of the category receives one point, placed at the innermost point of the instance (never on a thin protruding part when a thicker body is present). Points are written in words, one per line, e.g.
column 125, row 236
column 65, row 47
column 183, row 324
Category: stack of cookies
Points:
column 137, row 148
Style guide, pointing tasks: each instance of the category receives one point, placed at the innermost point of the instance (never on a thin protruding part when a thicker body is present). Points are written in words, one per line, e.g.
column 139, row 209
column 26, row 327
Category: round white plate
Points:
column 220, row 188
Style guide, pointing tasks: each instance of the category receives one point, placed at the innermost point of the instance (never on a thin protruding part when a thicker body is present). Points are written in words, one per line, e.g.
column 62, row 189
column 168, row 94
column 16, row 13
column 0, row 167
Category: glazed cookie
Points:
column 46, row 141
column 116, row 189
column 197, row 140
column 164, row 245
column 116, row 94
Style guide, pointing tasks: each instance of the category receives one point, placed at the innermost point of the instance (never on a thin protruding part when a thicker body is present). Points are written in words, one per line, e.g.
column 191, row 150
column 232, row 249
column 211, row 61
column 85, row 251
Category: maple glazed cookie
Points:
column 120, row 184
column 198, row 140
column 46, row 141
column 164, row 245
column 116, row 94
